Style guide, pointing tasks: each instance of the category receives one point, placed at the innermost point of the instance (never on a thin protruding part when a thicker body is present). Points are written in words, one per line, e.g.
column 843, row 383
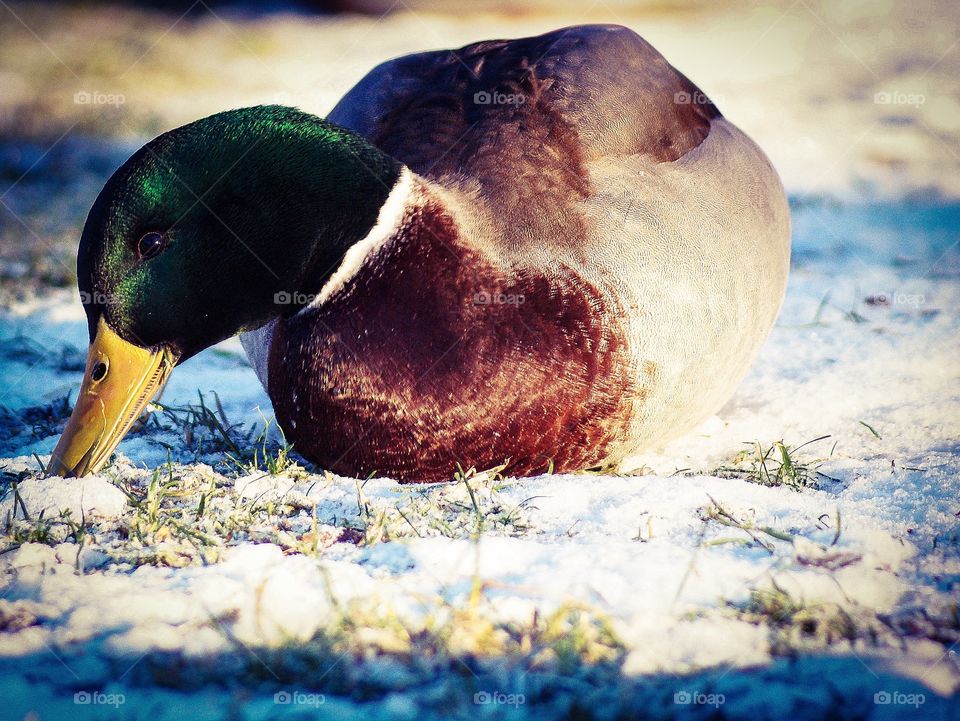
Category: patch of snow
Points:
column 80, row 496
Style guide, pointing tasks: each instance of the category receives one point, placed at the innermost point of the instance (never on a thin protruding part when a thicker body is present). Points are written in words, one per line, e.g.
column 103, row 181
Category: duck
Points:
column 545, row 253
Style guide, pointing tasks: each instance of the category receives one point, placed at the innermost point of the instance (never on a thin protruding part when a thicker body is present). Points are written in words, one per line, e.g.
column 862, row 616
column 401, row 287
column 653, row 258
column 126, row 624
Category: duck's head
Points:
column 207, row 231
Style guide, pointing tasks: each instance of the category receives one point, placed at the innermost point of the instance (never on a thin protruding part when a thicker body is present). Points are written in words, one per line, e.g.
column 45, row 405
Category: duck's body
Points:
column 551, row 251
column 568, row 274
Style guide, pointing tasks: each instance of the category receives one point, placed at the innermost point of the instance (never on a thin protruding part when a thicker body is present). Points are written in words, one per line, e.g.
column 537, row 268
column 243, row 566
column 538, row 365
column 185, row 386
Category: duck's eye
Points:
column 151, row 244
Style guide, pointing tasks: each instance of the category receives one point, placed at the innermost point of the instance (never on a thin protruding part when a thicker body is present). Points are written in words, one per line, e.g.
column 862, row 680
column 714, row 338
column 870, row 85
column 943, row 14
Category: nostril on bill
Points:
column 99, row 371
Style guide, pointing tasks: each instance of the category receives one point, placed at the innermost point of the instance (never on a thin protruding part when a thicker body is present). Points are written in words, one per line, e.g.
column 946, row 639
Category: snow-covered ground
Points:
column 696, row 583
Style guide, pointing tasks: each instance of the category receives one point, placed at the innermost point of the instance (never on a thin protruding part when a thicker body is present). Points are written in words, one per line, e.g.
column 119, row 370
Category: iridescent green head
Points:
column 199, row 233
column 207, row 231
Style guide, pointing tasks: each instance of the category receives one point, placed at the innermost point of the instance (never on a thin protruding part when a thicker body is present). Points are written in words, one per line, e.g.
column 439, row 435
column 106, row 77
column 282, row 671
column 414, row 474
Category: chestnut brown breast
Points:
column 434, row 356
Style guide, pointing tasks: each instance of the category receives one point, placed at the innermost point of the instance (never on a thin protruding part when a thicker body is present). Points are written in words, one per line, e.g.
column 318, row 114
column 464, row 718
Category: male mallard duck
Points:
column 547, row 250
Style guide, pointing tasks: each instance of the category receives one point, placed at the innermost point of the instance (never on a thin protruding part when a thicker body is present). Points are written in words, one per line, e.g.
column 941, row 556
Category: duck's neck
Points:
column 309, row 191
column 408, row 215
column 338, row 204
column 391, row 215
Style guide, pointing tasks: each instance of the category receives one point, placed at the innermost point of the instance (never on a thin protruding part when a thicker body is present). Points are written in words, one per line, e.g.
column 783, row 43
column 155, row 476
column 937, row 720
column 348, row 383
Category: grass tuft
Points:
column 776, row 465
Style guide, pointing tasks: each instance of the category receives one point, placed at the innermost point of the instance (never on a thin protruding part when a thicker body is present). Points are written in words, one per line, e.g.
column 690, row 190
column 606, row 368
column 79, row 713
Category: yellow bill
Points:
column 120, row 380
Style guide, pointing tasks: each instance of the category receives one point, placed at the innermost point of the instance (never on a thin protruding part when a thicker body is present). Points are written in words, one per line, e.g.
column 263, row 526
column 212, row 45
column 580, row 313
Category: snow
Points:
column 865, row 352
column 79, row 496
